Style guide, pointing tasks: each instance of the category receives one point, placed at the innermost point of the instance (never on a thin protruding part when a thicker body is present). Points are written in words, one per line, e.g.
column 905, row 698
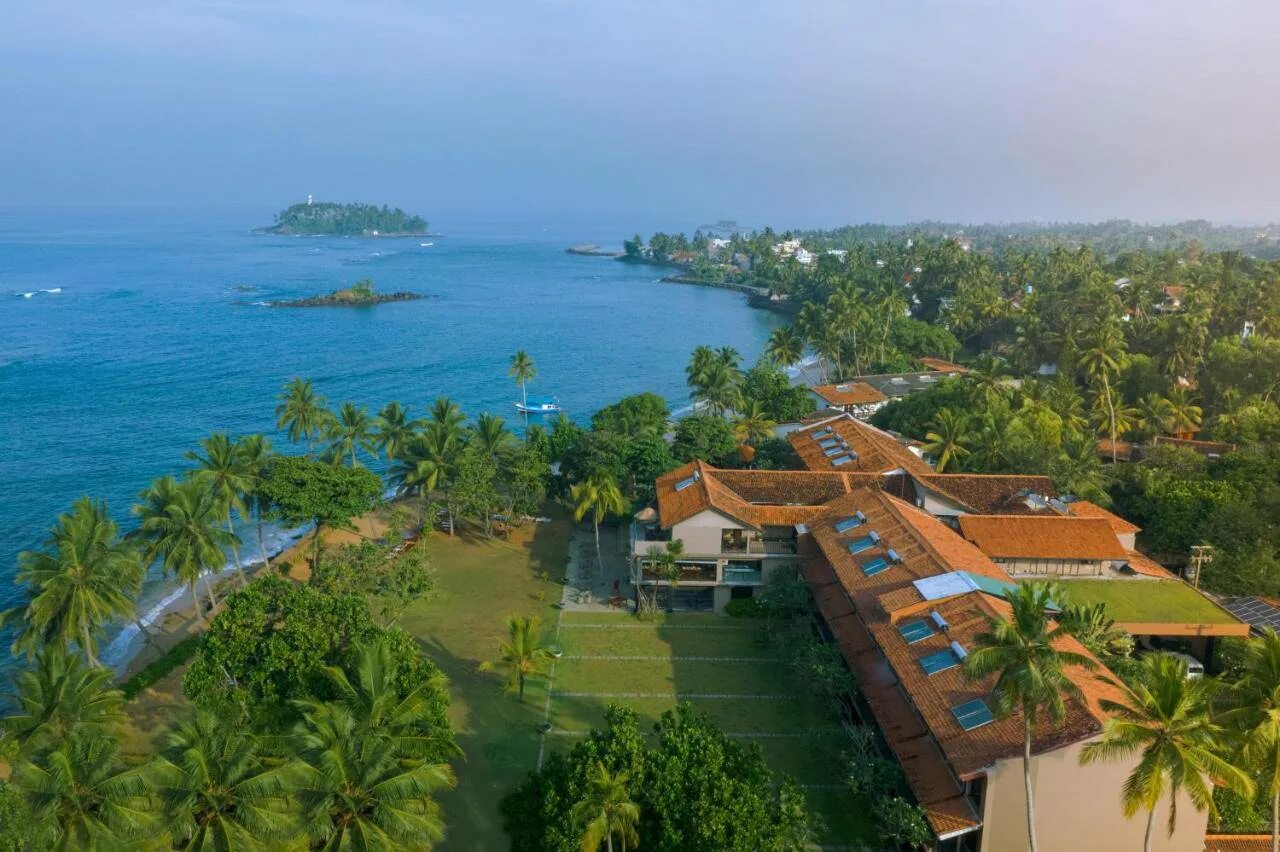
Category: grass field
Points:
column 723, row 668
column 1148, row 601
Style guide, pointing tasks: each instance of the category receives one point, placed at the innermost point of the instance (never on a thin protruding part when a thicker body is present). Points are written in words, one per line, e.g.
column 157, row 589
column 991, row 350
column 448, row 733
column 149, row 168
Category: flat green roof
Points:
column 1148, row 601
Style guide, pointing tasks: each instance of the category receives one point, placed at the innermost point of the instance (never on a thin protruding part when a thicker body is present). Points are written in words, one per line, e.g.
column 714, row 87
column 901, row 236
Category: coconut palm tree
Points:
column 60, row 698
column 785, row 346
column 218, row 790
column 1155, row 414
column 1165, row 721
column 947, row 441
column 446, row 414
column 302, row 412
column 1101, row 361
column 491, row 434
column 1251, row 713
column 523, row 371
column 82, row 580
column 1095, row 630
column 599, row 496
column 606, row 810
column 349, row 431
column 1184, row 414
column 255, row 457
column 393, row 429
column 83, row 797
column 222, row 470
column 522, row 655
column 753, row 424
column 356, row 793
column 1033, row 674
column 180, row 527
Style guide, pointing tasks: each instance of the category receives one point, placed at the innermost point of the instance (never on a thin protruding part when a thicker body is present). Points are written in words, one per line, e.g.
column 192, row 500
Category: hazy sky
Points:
column 794, row 112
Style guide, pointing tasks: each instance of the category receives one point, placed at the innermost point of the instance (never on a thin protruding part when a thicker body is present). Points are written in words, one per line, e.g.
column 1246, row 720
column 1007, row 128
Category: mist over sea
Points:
column 125, row 336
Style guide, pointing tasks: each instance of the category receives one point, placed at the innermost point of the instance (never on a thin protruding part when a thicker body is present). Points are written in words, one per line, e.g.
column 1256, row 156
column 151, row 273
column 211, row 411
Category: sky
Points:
column 798, row 113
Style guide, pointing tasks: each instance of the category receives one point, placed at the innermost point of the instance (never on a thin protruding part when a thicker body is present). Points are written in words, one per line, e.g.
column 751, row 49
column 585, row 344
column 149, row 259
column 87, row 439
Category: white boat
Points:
column 538, row 406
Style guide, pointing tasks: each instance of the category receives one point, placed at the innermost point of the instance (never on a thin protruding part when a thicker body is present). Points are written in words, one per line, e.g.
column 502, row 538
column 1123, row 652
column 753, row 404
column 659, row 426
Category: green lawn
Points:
column 723, row 668
column 1148, row 601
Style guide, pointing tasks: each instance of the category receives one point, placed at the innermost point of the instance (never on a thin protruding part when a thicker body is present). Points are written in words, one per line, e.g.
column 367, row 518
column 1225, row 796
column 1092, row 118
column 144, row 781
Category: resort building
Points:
column 857, row 398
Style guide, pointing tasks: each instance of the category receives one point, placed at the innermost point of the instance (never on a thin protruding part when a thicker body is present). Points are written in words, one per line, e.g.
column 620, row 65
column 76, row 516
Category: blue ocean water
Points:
column 125, row 336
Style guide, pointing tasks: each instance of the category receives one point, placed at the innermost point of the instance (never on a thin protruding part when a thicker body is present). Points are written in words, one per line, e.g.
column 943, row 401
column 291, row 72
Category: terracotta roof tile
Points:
column 988, row 493
column 1124, row 450
column 876, row 451
column 1087, row 509
column 1042, row 537
column 939, row 365
column 1143, row 564
column 1237, row 843
column 849, row 393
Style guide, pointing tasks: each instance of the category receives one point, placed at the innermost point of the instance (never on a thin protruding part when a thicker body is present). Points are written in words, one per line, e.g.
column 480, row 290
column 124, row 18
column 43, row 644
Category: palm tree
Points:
column 523, row 371
column 349, row 431
column 60, row 698
column 1101, row 362
column 218, row 790
column 1033, row 673
column 753, row 424
column 222, row 470
column 1155, row 413
column 946, row 441
column 1251, row 711
column 255, row 457
column 302, row 411
column 446, row 414
column 606, row 809
column 598, row 495
column 82, row 797
column 491, row 434
column 356, row 793
column 1165, row 720
column 1095, row 630
column 785, row 346
column 393, row 429
column 522, row 655
column 81, row 581
column 1184, row 414
column 179, row 523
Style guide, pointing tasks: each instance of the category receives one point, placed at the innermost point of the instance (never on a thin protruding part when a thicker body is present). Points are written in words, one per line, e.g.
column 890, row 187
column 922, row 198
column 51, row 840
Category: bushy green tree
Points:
column 705, row 437
column 302, row 490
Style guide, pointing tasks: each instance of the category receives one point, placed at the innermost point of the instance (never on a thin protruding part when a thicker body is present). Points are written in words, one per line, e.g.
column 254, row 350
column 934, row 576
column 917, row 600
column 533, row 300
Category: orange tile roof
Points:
column 877, row 451
column 1087, row 509
column 988, row 493
column 849, row 393
column 1143, row 564
column 938, row 365
column 1124, row 450
column 1237, row 843
column 1042, row 537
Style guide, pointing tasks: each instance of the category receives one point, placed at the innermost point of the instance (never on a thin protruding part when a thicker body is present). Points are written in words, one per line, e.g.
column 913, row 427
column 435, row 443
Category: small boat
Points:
column 538, row 406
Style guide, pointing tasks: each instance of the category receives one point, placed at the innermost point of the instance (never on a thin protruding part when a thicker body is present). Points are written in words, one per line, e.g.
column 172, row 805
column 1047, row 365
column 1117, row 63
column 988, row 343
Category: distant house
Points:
column 803, row 256
column 857, row 398
column 938, row 365
column 716, row 245
column 839, row 254
column 1173, row 297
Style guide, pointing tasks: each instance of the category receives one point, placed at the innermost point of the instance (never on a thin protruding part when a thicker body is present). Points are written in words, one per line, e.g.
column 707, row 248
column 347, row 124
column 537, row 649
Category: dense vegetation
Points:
column 327, row 218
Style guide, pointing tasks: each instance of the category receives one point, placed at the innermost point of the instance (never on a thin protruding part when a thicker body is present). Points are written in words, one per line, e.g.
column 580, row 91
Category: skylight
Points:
column 821, row 433
column 865, row 543
column 973, row 714
column 844, row 459
column 914, row 631
column 835, row 451
column 688, row 480
column 939, row 661
column 829, row 443
column 873, row 567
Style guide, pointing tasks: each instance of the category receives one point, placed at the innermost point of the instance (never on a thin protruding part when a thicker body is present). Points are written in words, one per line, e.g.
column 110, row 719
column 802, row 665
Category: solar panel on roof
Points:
column 865, row 543
column 821, row 433
column 973, row 714
column 873, row 567
column 688, row 480
column 846, row 524
column 839, row 460
column 829, row 443
column 939, row 661
column 914, row 631
column 834, row 451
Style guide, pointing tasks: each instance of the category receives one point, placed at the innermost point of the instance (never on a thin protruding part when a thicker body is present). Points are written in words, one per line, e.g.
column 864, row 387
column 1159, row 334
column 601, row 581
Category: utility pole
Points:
column 1201, row 555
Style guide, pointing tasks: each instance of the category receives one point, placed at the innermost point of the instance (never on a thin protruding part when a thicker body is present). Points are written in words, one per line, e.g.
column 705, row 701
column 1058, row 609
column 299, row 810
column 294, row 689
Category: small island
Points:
column 324, row 218
column 358, row 295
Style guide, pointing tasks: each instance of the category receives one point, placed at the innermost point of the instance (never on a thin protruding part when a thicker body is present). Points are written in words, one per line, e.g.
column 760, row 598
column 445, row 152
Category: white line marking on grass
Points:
column 744, row 735
column 606, row 626
column 664, row 657
column 683, row 696
column 551, row 679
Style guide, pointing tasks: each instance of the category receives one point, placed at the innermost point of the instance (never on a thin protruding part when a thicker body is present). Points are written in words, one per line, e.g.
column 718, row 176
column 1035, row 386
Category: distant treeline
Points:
column 346, row 220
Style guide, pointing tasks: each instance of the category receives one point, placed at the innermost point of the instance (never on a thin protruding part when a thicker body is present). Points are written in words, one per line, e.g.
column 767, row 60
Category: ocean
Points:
column 127, row 335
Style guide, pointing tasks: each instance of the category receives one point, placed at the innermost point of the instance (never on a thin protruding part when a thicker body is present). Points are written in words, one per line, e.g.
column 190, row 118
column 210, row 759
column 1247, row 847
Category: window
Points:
column 865, row 543
column 873, row 567
column 688, row 480
column 846, row 524
column 939, row 662
column 844, row 459
column 914, row 631
column 972, row 714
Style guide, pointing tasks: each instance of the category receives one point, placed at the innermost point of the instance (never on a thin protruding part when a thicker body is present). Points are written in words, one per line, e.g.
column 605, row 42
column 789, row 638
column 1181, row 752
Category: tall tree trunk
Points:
column 520, row 682
column 1151, row 824
column 524, row 394
column 1111, row 408
column 608, row 839
column 195, row 599
column 208, row 590
column 1026, row 780
column 1275, row 821
column 235, row 555
column 599, row 557
column 87, row 646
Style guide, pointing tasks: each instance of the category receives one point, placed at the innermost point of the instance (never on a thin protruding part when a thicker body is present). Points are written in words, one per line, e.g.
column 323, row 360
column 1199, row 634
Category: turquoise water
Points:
column 151, row 343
